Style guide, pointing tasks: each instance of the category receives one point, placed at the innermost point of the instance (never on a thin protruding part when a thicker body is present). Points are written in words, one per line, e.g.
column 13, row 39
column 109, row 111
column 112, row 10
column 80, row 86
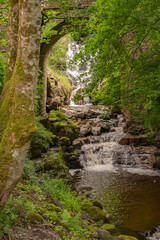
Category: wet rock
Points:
column 74, row 164
column 105, row 126
column 77, row 143
column 84, row 130
column 134, row 140
column 97, row 204
column 107, row 218
column 85, row 188
column 96, row 131
column 104, row 234
column 86, row 141
column 81, row 115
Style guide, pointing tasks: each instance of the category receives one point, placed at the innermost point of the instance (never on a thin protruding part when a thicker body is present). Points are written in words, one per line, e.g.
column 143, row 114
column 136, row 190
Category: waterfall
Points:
column 104, row 148
column 75, row 73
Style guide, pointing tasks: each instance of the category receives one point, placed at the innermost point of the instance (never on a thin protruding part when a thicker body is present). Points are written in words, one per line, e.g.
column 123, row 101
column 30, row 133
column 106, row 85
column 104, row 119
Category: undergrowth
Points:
column 33, row 201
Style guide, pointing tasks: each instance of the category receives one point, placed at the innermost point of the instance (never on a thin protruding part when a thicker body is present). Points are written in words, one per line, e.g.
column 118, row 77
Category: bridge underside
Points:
column 80, row 4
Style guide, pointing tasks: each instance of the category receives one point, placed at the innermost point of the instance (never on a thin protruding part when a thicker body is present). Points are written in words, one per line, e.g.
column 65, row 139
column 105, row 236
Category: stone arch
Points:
column 44, row 54
column 46, row 48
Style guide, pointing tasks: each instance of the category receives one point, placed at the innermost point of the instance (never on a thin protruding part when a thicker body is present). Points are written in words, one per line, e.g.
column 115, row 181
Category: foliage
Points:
column 39, row 92
column 124, row 36
column 7, row 217
column 57, row 58
column 61, row 191
column 72, row 222
column 41, row 133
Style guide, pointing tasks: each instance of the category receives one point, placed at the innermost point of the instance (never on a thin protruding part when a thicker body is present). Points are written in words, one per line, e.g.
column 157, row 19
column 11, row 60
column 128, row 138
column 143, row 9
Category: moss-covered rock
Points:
column 96, row 213
column 104, row 235
column 64, row 141
column 109, row 227
column 55, row 165
column 123, row 237
column 34, row 218
column 59, row 124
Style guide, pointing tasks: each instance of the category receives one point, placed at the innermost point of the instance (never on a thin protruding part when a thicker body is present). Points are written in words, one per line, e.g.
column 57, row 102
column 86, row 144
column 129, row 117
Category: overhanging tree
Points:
column 17, row 123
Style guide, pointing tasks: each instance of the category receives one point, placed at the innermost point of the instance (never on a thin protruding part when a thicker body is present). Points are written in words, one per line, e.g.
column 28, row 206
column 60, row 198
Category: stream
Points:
column 114, row 174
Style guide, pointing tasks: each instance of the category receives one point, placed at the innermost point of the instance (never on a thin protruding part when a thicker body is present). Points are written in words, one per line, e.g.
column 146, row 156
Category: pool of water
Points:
column 130, row 196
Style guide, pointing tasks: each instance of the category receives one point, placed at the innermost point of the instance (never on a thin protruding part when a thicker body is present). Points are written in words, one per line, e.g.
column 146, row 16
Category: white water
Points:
column 75, row 73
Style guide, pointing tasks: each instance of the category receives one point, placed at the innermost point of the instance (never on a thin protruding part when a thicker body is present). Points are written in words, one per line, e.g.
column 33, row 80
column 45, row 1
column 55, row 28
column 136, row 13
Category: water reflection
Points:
column 132, row 199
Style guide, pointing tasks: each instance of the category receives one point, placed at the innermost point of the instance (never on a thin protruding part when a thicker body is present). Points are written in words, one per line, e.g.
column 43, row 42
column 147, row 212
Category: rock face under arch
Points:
column 57, row 95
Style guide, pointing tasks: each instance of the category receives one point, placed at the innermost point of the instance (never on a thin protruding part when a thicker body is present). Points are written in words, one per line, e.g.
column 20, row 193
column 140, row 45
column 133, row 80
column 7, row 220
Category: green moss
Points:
column 96, row 213
column 123, row 237
column 52, row 217
column 108, row 227
column 52, row 207
column 15, row 129
column 64, row 141
column 34, row 218
column 59, row 123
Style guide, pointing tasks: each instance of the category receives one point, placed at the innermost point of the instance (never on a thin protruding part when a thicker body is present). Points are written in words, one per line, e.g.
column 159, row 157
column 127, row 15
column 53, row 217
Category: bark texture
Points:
column 17, row 121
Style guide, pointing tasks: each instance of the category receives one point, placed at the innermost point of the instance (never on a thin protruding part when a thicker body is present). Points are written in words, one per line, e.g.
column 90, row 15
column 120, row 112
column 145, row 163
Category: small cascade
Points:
column 75, row 73
column 106, row 150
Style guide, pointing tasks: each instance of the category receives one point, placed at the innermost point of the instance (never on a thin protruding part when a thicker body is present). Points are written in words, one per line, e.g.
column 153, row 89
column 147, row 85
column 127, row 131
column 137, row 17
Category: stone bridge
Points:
column 80, row 4
column 46, row 47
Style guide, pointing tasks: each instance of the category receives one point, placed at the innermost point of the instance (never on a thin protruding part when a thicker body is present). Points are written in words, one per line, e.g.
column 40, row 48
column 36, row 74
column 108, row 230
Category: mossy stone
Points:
column 34, row 218
column 109, row 227
column 96, row 213
column 62, row 126
column 124, row 237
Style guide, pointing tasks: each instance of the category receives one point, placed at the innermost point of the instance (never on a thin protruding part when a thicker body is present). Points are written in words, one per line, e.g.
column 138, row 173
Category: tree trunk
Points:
column 17, row 119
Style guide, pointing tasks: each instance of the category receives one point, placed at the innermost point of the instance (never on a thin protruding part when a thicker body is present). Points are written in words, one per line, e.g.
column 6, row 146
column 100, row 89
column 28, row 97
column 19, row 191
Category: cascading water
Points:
column 75, row 73
column 116, row 176
column 106, row 150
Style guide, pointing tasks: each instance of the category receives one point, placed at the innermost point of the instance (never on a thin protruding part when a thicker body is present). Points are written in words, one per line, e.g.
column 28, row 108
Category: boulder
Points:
column 59, row 124
column 104, row 235
column 105, row 126
column 84, row 131
column 96, row 131
column 109, row 227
